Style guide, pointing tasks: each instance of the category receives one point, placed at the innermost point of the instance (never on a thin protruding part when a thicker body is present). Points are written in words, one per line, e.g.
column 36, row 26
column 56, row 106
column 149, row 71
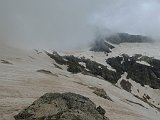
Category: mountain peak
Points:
column 103, row 44
column 127, row 38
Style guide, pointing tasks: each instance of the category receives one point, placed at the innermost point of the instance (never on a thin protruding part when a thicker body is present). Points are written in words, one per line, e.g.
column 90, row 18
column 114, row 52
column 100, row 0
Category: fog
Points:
column 68, row 24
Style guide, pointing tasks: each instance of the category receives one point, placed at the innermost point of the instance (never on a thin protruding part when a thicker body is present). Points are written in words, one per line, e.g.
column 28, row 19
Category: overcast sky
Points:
column 64, row 24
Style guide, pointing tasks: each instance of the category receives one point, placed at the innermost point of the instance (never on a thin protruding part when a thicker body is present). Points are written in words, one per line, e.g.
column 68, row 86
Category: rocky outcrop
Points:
column 127, row 38
column 101, row 46
column 73, row 65
column 126, row 85
column 60, row 60
column 91, row 68
column 46, row 72
column 137, row 71
column 140, row 73
column 66, row 106
column 6, row 62
column 101, row 93
column 101, row 70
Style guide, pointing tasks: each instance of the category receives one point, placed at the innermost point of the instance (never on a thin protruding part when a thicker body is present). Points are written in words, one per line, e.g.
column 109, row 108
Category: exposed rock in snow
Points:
column 126, row 85
column 145, row 93
column 5, row 62
column 118, row 38
column 46, row 72
column 91, row 67
column 66, row 106
column 145, row 74
column 100, row 92
column 101, row 46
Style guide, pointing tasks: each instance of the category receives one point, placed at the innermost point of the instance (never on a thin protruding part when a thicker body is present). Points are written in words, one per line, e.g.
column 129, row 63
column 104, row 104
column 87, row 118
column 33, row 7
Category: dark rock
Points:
column 101, row 46
column 66, row 106
column 37, row 51
column 118, row 38
column 6, row 62
column 143, row 74
column 101, row 110
column 126, row 85
column 101, row 93
column 102, row 42
column 60, row 60
column 94, row 68
column 73, row 65
column 146, row 97
column 101, row 70
column 57, row 66
column 150, row 104
column 75, row 68
column 136, row 103
column 46, row 72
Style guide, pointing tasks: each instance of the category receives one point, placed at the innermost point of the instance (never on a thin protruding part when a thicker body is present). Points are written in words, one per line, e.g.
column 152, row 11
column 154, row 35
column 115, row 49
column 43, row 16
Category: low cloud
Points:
column 134, row 17
column 66, row 24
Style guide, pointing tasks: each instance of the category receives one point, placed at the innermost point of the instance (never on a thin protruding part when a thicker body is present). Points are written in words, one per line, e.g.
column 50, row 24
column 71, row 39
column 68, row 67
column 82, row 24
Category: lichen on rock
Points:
column 65, row 106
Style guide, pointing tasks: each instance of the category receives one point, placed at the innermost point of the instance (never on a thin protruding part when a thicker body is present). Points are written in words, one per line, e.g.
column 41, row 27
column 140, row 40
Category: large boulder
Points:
column 65, row 106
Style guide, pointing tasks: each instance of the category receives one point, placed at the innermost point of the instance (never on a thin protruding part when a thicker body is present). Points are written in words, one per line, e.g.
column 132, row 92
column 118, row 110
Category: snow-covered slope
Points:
column 27, row 75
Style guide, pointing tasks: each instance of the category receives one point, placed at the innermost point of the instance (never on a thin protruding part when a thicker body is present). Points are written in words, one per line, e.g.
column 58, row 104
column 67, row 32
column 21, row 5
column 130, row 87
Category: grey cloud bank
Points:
column 135, row 17
column 66, row 24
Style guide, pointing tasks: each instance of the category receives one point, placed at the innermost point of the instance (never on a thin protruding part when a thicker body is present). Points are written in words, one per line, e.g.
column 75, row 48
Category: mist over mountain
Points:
column 73, row 24
column 106, row 42
column 79, row 59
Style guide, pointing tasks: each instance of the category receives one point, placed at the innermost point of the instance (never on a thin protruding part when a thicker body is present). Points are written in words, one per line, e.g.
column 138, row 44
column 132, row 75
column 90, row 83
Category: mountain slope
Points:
column 27, row 75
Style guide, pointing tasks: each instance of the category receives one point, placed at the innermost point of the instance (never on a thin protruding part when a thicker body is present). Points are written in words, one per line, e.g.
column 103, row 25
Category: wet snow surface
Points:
column 21, row 84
